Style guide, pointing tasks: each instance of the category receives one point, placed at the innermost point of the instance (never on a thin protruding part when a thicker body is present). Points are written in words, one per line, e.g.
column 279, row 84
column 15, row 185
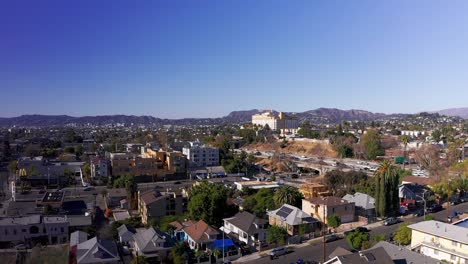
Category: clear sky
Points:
column 206, row 58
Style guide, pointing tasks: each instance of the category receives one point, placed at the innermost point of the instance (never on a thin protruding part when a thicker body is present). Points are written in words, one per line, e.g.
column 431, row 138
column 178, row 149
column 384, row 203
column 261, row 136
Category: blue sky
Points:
column 206, row 58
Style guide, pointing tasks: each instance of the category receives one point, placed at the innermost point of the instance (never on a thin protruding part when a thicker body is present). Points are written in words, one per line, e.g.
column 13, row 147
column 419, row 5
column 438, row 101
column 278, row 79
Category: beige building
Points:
column 440, row 241
column 312, row 190
column 133, row 165
column 322, row 207
column 155, row 204
column 282, row 122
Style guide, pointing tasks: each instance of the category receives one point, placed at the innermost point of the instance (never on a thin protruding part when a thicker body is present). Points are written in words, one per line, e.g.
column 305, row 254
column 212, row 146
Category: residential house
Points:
column 364, row 204
column 34, row 229
column 156, row 204
column 199, row 235
column 246, row 227
column 402, row 255
column 94, row 251
column 440, row 240
column 292, row 218
column 322, row 207
column 371, row 256
column 152, row 243
column 412, row 193
column 126, row 234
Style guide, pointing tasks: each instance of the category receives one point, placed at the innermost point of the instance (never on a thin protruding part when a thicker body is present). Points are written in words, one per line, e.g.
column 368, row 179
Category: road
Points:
column 315, row 252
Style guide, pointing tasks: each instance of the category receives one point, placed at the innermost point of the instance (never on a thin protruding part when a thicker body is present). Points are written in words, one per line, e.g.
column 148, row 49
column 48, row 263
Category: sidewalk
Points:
column 256, row 255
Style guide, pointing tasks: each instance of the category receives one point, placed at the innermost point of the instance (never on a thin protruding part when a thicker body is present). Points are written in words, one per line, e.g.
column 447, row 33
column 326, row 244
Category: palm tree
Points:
column 287, row 195
column 386, row 191
column 405, row 140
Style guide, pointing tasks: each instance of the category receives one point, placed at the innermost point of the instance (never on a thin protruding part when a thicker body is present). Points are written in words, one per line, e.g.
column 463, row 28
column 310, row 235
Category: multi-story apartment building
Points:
column 124, row 164
column 100, row 168
column 155, row 204
column 282, row 122
column 440, row 241
column 176, row 162
column 312, row 190
column 322, row 207
column 34, row 229
column 200, row 155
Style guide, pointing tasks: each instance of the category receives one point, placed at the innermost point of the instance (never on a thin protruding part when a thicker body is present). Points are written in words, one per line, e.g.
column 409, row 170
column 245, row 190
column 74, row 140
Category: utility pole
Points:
column 324, row 234
column 448, row 200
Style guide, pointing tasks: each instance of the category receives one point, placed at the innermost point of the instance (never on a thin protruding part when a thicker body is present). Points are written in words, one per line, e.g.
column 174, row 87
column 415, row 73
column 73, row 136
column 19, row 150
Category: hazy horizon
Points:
column 205, row 59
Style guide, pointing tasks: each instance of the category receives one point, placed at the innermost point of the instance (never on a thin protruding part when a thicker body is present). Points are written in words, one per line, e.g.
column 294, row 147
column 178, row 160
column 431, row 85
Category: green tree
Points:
column 403, row 234
column 429, row 217
column 372, row 144
column 277, row 234
column 386, row 189
column 259, row 202
column 288, row 195
column 334, row 221
column 405, row 140
column 139, row 260
column 181, row 253
column 357, row 238
column 209, row 202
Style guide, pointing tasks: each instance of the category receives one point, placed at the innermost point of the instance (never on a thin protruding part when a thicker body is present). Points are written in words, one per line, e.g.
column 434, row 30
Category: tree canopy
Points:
column 372, row 144
column 208, row 202
column 403, row 234
column 288, row 195
column 357, row 238
column 334, row 221
column 277, row 234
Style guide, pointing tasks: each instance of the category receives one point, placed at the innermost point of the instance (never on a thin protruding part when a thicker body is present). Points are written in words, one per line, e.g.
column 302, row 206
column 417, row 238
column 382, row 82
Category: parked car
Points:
column 464, row 199
column 391, row 221
column 362, row 229
column 276, row 252
column 88, row 189
column 433, row 208
column 455, row 201
column 331, row 238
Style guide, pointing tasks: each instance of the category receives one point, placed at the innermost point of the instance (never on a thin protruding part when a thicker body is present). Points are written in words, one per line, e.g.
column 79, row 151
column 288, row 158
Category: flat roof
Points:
column 440, row 229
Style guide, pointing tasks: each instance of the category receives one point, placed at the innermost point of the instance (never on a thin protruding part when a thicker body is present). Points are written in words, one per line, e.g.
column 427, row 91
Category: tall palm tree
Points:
column 386, row 191
column 405, row 140
column 287, row 195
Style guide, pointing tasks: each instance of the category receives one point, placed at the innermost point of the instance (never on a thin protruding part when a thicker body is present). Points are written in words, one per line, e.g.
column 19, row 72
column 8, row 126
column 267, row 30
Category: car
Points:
column 276, row 252
column 300, row 261
column 87, row 189
column 362, row 229
column 391, row 221
column 434, row 208
column 464, row 199
column 331, row 238
column 125, row 250
column 455, row 201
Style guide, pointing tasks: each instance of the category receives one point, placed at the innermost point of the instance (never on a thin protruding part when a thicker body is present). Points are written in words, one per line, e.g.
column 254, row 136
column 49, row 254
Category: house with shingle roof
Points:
column 152, row 243
column 96, row 250
column 291, row 218
column 364, row 204
column 199, row 235
column 246, row 227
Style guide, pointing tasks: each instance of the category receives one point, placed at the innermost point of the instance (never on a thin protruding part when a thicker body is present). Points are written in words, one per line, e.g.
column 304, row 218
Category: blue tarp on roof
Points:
column 219, row 243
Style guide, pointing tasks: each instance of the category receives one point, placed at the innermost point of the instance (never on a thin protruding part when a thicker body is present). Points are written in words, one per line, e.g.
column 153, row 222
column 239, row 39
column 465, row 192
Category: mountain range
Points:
column 322, row 115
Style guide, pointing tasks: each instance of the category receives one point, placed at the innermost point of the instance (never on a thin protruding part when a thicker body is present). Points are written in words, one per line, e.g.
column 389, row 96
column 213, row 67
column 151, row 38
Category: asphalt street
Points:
column 315, row 252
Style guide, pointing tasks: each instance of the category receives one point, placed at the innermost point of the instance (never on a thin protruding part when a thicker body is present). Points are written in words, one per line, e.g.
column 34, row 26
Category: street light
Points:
column 424, row 199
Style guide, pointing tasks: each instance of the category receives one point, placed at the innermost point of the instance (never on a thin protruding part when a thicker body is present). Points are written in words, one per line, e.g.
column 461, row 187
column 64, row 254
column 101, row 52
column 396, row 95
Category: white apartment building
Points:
column 283, row 122
column 200, row 155
column 440, row 241
column 34, row 228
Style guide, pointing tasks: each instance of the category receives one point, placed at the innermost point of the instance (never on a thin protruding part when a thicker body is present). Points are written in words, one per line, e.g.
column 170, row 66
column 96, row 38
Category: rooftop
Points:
column 440, row 229
column 328, row 201
column 292, row 215
column 402, row 255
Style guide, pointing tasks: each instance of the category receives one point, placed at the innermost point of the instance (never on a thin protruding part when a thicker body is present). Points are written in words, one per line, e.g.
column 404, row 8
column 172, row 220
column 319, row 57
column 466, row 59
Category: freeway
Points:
column 314, row 252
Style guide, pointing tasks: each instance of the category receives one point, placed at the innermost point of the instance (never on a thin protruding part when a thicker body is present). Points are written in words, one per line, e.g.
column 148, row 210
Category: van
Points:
column 278, row 252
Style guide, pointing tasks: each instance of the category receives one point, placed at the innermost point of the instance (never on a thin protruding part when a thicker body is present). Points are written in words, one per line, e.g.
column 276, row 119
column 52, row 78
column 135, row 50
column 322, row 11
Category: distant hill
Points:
column 461, row 112
column 320, row 115
column 336, row 115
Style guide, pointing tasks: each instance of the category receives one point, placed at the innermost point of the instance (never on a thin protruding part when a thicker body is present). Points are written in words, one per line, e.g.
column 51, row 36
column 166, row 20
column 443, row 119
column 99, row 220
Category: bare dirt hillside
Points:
column 318, row 149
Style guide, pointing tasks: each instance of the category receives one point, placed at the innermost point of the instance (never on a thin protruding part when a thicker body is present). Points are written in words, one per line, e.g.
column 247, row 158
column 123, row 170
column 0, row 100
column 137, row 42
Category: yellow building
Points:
column 312, row 190
column 440, row 241
column 133, row 165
